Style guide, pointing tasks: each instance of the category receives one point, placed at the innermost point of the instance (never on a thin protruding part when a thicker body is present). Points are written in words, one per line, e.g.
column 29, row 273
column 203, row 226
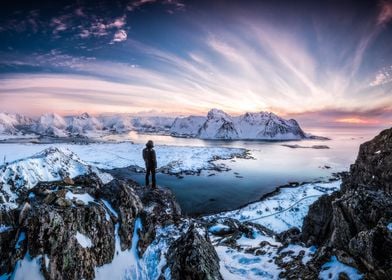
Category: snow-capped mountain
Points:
column 117, row 123
column 152, row 124
column 188, row 126
column 216, row 125
column 83, row 124
column 51, row 124
column 9, row 123
column 219, row 125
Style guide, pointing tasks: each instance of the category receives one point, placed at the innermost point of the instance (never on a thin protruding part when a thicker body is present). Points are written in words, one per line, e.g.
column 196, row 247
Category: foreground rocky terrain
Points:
column 63, row 219
column 355, row 223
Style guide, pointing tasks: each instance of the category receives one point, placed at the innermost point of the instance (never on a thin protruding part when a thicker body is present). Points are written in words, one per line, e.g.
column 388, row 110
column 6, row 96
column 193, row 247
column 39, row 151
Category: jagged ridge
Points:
column 219, row 125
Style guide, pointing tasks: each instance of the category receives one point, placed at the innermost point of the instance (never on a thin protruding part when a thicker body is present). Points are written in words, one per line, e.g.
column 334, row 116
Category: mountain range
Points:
column 250, row 126
column 216, row 125
column 54, row 125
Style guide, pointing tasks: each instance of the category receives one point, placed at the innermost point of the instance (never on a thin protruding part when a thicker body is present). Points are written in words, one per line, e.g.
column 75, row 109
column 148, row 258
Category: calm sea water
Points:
column 248, row 180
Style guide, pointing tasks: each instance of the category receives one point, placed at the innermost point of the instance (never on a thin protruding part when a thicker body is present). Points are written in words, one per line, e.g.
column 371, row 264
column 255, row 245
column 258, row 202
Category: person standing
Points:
column 150, row 160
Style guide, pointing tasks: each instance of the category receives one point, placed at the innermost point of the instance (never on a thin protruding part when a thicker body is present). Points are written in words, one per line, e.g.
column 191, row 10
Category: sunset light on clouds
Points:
column 312, row 58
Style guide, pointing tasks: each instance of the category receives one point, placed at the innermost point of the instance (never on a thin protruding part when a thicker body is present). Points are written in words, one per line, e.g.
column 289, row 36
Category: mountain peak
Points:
column 217, row 113
column 85, row 115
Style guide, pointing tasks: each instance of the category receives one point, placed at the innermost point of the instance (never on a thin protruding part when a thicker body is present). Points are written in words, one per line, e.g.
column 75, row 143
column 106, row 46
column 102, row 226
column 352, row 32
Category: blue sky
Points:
column 324, row 60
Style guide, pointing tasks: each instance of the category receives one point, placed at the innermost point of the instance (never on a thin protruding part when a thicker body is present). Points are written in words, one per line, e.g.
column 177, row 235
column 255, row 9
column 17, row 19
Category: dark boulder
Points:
column 192, row 257
column 317, row 225
column 373, row 166
column 51, row 222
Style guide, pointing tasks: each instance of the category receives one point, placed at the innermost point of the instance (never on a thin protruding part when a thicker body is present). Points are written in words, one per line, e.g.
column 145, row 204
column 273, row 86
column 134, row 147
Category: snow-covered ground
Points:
column 332, row 269
column 51, row 164
column 284, row 210
column 175, row 159
column 83, row 240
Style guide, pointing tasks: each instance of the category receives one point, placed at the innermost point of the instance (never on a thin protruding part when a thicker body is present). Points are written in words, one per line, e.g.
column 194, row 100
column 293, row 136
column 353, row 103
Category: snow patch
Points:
column 125, row 264
column 218, row 228
column 83, row 240
column 238, row 265
column 333, row 268
column 85, row 197
column 21, row 238
column 47, row 261
column 295, row 250
column 106, row 178
column 28, row 268
column 110, row 208
column 4, row 228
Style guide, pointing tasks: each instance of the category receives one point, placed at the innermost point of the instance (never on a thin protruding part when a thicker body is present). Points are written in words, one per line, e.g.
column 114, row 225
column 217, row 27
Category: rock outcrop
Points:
column 355, row 223
column 193, row 257
column 71, row 229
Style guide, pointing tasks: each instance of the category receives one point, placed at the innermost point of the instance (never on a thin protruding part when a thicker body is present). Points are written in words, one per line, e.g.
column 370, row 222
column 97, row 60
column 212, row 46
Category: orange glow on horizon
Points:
column 356, row 120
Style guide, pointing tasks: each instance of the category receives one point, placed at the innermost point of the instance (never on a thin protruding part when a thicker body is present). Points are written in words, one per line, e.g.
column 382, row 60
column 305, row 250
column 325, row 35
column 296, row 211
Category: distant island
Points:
column 249, row 126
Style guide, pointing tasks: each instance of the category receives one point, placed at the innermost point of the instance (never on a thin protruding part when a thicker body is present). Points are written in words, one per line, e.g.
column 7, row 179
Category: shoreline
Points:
column 335, row 176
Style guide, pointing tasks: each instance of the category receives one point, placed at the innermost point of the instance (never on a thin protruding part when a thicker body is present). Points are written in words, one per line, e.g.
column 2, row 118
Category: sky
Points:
column 322, row 62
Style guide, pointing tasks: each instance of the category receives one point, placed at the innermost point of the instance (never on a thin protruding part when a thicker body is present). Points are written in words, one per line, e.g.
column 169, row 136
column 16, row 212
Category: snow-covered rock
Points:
column 284, row 209
column 219, row 125
column 171, row 159
column 52, row 164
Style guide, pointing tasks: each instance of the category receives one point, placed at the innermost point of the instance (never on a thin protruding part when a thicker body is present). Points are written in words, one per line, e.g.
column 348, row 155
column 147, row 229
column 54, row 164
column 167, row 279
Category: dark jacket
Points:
column 150, row 158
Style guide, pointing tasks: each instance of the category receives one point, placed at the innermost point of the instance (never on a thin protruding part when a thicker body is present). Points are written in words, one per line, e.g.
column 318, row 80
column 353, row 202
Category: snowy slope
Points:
column 266, row 125
column 219, row 125
column 51, row 164
column 9, row 123
column 51, row 124
column 173, row 159
column 188, row 126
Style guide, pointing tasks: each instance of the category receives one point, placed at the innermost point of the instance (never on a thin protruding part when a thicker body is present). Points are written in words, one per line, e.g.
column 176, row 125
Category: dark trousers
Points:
column 152, row 171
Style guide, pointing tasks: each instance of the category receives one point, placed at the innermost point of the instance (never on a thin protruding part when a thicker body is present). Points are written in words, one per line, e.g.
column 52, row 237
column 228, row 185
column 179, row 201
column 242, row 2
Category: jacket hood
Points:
column 150, row 144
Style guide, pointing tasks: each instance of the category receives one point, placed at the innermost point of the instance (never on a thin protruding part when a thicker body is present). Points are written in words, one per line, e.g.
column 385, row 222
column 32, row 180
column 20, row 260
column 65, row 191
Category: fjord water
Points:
column 248, row 180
